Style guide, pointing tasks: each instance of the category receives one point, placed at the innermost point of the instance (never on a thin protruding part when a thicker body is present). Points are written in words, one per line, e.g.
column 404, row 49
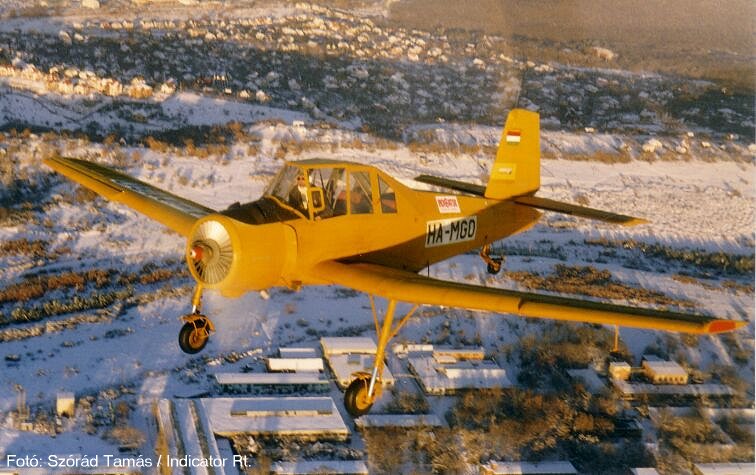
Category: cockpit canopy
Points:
column 323, row 189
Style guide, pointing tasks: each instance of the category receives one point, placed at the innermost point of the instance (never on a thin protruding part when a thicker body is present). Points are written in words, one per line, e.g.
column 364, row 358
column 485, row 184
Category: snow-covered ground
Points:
column 693, row 183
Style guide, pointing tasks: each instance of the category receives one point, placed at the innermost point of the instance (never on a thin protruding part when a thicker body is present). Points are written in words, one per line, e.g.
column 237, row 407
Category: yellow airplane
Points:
column 323, row 222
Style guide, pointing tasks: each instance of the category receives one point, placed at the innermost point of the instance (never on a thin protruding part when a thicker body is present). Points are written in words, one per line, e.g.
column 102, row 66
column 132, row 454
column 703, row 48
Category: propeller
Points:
column 211, row 252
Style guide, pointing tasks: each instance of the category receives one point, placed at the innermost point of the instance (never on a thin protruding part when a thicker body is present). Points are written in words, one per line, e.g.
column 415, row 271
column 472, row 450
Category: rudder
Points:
column 517, row 168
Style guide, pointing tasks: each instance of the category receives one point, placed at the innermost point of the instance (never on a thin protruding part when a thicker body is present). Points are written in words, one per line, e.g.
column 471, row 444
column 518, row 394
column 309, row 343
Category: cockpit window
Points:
column 361, row 195
column 283, row 184
column 388, row 197
column 333, row 183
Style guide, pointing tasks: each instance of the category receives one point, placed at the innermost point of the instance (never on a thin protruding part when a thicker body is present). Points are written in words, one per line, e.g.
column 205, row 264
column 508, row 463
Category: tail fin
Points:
column 517, row 168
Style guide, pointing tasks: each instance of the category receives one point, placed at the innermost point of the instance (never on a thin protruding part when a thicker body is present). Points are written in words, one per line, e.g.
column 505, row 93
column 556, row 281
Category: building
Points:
column 588, row 378
column 659, row 371
column 644, row 471
column 183, row 428
column 292, row 352
column 620, row 370
column 347, row 345
column 399, row 420
column 444, row 374
column 305, row 417
column 304, row 467
column 294, row 364
column 724, row 469
column 691, row 391
column 271, row 383
column 522, row 468
column 65, row 404
column 350, row 355
column 464, row 353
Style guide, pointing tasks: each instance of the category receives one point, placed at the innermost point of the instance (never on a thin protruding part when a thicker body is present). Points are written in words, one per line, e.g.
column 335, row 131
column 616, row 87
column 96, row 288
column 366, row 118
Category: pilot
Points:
column 298, row 195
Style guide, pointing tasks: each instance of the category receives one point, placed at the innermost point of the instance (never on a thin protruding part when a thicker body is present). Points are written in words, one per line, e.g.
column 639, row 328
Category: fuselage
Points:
column 357, row 213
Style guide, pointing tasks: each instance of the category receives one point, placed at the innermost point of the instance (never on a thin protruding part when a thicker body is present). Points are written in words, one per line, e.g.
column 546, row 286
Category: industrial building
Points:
column 398, row 420
column 349, row 355
column 307, row 417
column 692, row 391
column 271, row 383
column 298, row 364
column 660, row 371
column 445, row 374
column 336, row 467
column 724, row 469
column 522, row 468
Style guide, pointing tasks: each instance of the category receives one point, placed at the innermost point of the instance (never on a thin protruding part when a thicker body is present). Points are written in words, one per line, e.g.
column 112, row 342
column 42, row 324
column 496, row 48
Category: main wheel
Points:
column 193, row 337
column 356, row 397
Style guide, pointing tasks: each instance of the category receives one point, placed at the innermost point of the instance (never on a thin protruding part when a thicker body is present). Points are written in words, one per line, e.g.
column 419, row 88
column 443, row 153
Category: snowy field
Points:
column 106, row 328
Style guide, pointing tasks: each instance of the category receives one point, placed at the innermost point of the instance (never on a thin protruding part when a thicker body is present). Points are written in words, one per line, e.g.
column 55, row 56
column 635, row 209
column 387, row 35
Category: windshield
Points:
column 282, row 184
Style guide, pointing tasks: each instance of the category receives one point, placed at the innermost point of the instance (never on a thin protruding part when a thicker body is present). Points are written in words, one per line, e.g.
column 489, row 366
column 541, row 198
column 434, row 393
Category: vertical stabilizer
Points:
column 517, row 168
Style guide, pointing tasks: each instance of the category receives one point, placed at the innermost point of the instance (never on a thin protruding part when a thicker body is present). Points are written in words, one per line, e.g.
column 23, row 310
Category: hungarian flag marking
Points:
column 513, row 136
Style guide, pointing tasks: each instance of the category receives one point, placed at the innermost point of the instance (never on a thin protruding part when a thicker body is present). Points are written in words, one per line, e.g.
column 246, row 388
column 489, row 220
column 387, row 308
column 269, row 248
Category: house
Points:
column 620, row 370
column 65, row 404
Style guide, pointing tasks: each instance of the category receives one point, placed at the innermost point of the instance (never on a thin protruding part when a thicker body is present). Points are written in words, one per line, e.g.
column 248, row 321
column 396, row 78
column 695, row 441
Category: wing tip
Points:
column 722, row 326
column 633, row 221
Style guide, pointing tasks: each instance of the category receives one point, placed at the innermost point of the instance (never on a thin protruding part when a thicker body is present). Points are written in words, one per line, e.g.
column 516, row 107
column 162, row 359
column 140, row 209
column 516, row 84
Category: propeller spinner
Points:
column 211, row 252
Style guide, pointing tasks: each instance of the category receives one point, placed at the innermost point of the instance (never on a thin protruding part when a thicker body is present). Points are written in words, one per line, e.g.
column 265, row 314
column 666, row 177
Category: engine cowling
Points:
column 233, row 257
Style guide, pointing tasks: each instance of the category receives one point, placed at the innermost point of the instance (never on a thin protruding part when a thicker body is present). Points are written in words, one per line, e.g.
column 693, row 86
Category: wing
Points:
column 173, row 211
column 408, row 287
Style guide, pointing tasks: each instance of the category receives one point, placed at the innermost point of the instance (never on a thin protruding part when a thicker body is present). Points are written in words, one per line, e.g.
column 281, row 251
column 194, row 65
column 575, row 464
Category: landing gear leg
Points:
column 493, row 262
column 366, row 388
column 197, row 327
column 616, row 350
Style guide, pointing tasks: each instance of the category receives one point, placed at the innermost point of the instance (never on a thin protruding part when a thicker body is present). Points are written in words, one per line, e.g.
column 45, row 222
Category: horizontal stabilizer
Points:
column 537, row 202
column 580, row 211
column 477, row 190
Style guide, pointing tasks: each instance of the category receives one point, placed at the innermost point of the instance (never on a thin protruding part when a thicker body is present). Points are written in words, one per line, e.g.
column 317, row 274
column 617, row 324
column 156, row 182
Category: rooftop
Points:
column 295, row 364
column 589, row 377
column 342, row 345
column 399, row 420
column 724, row 468
column 269, row 378
column 631, row 389
column 345, row 365
column 521, row 468
column 282, row 416
column 437, row 377
column 320, row 466
column 292, row 352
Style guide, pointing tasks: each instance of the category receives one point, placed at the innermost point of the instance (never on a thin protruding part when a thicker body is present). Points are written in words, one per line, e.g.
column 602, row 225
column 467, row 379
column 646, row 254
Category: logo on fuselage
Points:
column 448, row 204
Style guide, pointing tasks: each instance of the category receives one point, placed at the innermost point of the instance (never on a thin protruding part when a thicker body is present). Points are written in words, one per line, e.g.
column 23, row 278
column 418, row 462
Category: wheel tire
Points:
column 192, row 340
column 355, row 398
